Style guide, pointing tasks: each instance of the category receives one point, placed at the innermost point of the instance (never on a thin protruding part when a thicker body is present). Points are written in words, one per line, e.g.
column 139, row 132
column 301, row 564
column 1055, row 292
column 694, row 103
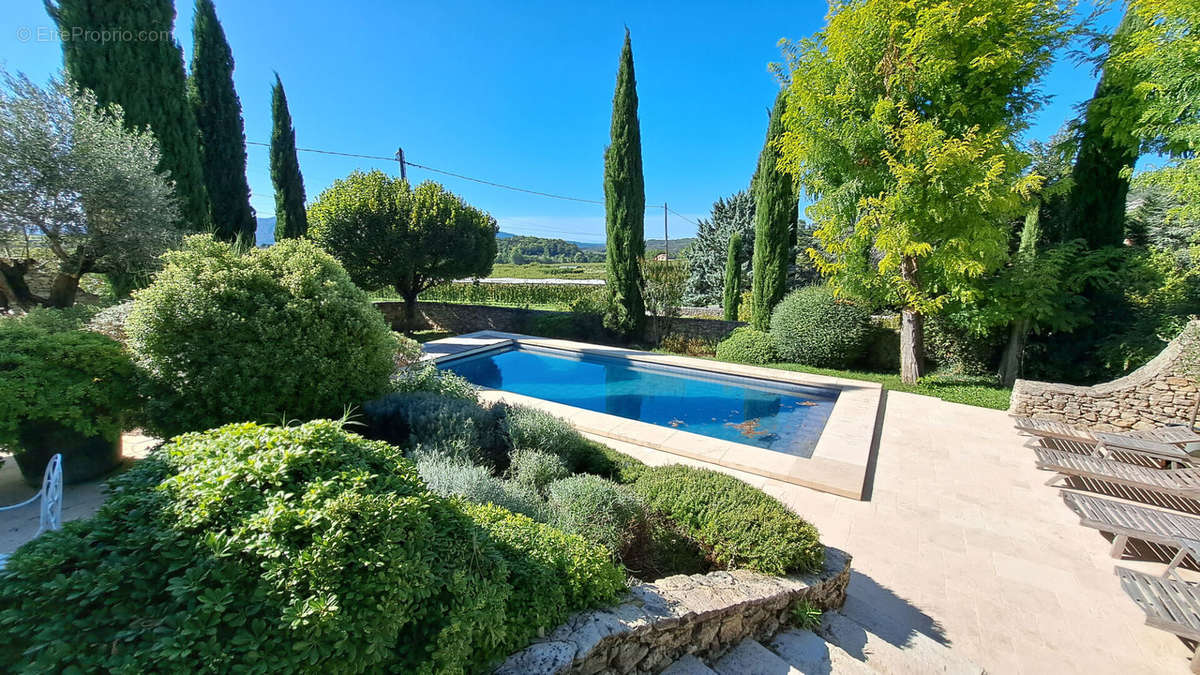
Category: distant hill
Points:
column 266, row 237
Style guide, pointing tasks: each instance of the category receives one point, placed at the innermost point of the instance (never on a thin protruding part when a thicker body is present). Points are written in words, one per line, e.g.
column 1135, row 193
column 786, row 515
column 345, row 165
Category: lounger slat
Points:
column 1131, row 520
column 1167, row 603
column 1180, row 482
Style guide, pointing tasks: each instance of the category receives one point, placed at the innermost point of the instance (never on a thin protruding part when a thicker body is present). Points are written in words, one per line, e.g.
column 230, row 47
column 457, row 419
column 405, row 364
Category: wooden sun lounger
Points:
column 1131, row 521
column 1169, row 602
column 1177, row 435
column 1134, row 451
column 1183, row 482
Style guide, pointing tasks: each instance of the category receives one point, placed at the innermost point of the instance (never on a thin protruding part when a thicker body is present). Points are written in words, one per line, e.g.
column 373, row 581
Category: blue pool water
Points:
column 778, row 417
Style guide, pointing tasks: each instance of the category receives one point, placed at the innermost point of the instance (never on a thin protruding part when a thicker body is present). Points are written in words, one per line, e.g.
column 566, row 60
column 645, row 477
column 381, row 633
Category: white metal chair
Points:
column 51, row 496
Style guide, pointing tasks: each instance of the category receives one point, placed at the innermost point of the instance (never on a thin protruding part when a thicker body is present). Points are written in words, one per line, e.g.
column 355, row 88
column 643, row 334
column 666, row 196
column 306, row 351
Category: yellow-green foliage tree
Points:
column 901, row 129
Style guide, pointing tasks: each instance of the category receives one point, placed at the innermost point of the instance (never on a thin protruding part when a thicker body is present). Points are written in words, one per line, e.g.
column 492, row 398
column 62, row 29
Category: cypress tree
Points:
column 291, row 222
column 733, row 278
column 218, row 114
column 625, row 206
column 1096, row 204
column 146, row 78
column 775, row 216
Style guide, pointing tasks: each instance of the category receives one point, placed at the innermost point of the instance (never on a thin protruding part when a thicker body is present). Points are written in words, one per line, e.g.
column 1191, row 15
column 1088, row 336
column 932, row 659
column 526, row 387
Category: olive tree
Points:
column 901, row 127
column 388, row 235
column 77, row 188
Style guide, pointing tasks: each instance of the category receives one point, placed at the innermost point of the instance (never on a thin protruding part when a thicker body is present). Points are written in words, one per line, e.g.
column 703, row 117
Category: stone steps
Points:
column 842, row 644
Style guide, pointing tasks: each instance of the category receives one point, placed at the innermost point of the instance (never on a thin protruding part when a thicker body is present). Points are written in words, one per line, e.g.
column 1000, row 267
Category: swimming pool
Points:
column 776, row 416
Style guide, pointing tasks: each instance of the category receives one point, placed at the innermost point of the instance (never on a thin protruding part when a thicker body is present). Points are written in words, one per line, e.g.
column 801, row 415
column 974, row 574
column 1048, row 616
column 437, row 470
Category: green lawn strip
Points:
column 972, row 390
column 548, row 271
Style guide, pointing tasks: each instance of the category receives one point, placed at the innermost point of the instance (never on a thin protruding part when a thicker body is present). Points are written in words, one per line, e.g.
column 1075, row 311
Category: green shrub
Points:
column 600, row 511
column 271, row 334
column 614, row 465
column 957, row 350
column 408, row 351
column 746, row 345
column 551, row 572
column 299, row 549
column 426, row 377
column 531, row 429
column 743, row 526
column 438, row 421
column 537, row 468
column 59, row 320
column 451, row 477
column 812, row 327
column 80, row 380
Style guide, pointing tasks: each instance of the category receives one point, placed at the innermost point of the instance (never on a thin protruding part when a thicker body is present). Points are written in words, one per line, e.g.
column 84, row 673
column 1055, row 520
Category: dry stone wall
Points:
column 460, row 318
column 1161, row 392
column 701, row 614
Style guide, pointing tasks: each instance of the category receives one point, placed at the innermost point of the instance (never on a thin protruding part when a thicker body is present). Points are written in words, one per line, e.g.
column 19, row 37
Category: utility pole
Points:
column 400, row 158
column 666, row 240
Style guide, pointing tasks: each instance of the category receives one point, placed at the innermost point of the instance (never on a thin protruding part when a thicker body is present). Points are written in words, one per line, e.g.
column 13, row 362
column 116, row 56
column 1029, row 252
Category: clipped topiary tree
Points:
column 813, row 327
column 746, row 345
column 270, row 334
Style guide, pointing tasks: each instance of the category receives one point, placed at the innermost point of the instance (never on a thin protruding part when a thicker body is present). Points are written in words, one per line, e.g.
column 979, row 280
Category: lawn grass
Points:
column 979, row 391
column 548, row 271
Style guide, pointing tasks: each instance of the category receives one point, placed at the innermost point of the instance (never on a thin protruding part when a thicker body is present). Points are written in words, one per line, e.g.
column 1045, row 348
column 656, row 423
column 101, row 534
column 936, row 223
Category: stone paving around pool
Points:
column 957, row 539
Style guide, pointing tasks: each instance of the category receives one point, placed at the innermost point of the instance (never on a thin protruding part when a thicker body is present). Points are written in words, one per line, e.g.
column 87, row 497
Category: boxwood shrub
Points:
column 746, row 345
column 265, row 335
column 812, row 327
column 51, row 373
column 741, row 525
column 261, row 549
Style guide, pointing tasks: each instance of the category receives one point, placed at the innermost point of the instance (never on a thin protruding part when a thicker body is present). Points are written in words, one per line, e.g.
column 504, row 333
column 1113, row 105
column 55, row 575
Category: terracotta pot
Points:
column 84, row 457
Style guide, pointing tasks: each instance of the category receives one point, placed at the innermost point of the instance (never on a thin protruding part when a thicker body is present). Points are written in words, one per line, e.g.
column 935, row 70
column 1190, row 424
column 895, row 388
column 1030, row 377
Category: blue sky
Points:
column 513, row 92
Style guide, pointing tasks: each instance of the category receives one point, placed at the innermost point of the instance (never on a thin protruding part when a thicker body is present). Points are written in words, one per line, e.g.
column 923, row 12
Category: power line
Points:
column 683, row 216
column 443, row 172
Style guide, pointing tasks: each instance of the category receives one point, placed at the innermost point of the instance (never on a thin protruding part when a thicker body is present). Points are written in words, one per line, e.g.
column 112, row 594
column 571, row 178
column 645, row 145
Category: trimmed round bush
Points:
column 812, row 327
column 298, row 549
column 600, row 511
column 266, row 335
column 746, row 345
column 427, row 377
column 531, row 429
column 742, row 526
column 445, row 423
column 537, row 468
column 452, row 477
column 66, row 391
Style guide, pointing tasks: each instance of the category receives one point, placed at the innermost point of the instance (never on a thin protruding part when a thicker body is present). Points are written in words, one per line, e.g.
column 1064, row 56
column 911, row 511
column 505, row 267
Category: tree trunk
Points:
column 912, row 345
column 63, row 291
column 912, row 330
column 12, row 283
column 1014, row 352
column 410, row 309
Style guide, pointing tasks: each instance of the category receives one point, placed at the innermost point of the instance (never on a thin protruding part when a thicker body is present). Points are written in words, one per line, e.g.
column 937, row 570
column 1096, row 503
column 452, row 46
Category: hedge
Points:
column 743, row 526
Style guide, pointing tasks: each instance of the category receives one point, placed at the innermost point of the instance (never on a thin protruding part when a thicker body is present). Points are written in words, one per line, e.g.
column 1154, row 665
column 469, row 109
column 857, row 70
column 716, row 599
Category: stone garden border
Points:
column 659, row 622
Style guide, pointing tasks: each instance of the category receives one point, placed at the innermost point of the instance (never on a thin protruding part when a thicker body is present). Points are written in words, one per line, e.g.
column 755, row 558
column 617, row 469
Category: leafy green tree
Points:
column 388, row 235
column 1108, row 149
column 625, row 206
column 291, row 221
column 1162, row 58
column 901, row 127
column 775, row 222
column 222, row 133
column 76, row 181
column 733, row 278
column 146, row 78
column 706, row 255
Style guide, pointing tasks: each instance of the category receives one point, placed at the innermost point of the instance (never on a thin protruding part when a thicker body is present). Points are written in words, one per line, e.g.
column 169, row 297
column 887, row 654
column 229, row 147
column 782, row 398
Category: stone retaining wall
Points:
column 460, row 318
column 1161, row 392
column 701, row 614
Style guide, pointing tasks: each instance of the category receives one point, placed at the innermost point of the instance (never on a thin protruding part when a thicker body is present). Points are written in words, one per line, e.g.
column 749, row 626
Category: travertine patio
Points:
column 958, row 539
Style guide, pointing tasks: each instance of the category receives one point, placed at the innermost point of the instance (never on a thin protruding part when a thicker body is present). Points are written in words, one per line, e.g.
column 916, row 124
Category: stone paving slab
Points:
column 959, row 541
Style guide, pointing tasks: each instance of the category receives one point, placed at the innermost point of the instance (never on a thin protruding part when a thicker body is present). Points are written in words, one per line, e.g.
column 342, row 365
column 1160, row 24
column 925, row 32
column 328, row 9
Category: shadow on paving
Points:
column 887, row 615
